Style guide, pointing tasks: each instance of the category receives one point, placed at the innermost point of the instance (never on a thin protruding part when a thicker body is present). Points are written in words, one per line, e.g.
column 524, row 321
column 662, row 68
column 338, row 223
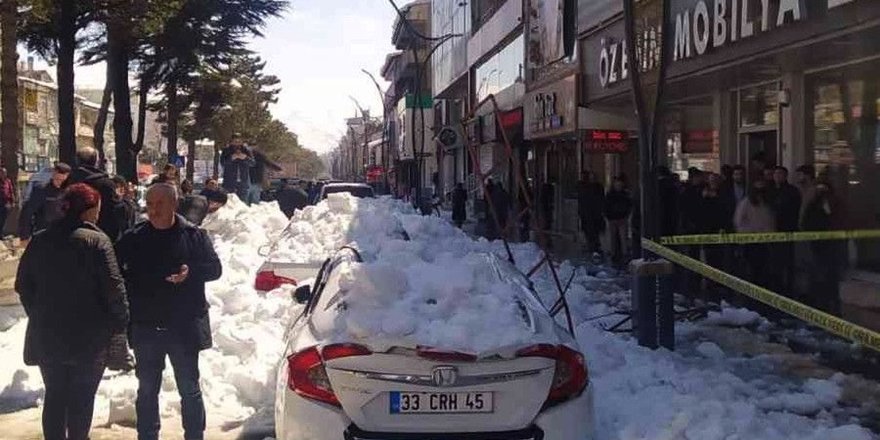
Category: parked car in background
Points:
column 360, row 190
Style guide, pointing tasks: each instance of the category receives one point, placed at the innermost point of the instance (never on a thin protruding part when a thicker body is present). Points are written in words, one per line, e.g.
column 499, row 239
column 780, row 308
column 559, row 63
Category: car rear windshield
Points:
column 357, row 191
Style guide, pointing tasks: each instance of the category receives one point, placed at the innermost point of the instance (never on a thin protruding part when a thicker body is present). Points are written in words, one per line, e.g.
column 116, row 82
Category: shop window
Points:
column 759, row 106
column 846, row 149
column 691, row 137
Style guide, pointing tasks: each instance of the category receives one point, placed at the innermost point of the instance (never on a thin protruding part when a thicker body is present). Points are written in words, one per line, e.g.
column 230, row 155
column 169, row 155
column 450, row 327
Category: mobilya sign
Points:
column 699, row 29
column 702, row 25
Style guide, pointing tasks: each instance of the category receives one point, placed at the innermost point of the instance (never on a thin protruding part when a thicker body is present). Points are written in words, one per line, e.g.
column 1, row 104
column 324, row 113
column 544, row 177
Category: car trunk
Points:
column 400, row 391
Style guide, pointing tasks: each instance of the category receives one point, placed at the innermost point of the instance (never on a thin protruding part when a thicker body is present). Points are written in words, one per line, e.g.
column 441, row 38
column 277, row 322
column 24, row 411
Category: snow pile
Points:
column 454, row 303
column 435, row 285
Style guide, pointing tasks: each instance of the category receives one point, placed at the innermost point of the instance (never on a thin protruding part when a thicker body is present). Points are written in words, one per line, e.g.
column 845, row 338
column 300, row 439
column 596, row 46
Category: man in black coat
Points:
column 166, row 262
column 459, row 205
column 74, row 297
column 591, row 209
column 237, row 160
column 290, row 198
column 786, row 202
column 44, row 205
column 110, row 221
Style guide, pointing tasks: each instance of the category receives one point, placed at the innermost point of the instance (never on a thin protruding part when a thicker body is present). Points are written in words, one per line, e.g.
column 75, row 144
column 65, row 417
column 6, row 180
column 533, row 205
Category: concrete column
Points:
column 795, row 151
column 726, row 124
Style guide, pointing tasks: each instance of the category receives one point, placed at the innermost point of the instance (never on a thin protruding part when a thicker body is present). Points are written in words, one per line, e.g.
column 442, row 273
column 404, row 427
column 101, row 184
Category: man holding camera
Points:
column 237, row 160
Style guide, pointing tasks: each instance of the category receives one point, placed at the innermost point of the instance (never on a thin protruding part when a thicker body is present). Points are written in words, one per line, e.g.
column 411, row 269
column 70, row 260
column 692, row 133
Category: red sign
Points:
column 512, row 119
column 374, row 174
column 699, row 141
column 607, row 141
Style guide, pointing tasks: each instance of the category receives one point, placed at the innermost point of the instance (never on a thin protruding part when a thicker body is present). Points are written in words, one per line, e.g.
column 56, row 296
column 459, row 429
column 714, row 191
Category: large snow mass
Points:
column 707, row 390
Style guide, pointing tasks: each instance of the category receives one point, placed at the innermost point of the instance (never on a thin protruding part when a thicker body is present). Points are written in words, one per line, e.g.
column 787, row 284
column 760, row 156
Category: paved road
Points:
column 25, row 425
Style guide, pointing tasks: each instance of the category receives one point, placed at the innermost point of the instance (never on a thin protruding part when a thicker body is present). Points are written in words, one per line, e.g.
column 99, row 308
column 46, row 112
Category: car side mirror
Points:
column 302, row 294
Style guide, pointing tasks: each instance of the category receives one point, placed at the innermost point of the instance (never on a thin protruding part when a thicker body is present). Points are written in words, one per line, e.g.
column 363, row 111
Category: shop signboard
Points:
column 699, row 141
column 551, row 110
column 606, row 141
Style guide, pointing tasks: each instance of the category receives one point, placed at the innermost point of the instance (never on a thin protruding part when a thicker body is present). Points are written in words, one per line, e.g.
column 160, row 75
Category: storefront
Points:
column 553, row 159
column 791, row 81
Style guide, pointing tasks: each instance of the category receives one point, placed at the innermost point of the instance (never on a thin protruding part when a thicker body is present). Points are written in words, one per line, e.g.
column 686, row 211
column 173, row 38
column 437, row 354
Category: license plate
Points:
column 441, row 403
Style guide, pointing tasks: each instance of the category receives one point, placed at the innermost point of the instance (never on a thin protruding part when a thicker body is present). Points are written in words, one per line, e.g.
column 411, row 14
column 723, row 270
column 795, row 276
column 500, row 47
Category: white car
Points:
column 333, row 387
column 360, row 190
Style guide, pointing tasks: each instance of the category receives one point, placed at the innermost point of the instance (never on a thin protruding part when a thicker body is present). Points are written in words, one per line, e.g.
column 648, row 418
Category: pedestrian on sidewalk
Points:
column 820, row 215
column 501, row 202
column 459, row 205
column 591, row 209
column 88, row 172
column 618, row 208
column 44, row 205
column 166, row 262
column 753, row 215
column 237, row 160
column 128, row 208
column 74, row 297
column 7, row 199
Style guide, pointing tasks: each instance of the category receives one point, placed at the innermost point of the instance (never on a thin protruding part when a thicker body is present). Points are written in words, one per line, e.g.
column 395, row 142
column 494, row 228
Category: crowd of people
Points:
column 138, row 283
column 763, row 201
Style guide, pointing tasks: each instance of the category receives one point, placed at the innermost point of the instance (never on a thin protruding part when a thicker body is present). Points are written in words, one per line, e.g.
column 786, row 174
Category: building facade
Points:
column 785, row 81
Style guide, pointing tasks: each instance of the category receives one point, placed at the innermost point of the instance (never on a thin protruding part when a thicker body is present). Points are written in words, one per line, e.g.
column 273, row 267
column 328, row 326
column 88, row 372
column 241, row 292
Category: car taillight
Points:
column 570, row 377
column 444, row 356
column 267, row 281
column 307, row 375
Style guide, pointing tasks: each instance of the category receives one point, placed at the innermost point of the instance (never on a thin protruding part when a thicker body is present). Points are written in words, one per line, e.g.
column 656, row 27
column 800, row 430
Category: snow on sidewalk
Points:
column 700, row 392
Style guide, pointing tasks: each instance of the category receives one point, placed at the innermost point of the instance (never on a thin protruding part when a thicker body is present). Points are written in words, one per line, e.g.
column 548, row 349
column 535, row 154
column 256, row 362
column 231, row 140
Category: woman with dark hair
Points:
column 72, row 314
column 170, row 174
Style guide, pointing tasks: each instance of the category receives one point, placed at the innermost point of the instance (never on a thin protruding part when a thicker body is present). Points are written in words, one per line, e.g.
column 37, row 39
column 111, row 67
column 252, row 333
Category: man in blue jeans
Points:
column 166, row 263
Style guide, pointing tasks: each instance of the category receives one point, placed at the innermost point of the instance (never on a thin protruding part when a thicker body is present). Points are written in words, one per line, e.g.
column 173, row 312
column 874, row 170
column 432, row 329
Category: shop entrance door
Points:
column 753, row 143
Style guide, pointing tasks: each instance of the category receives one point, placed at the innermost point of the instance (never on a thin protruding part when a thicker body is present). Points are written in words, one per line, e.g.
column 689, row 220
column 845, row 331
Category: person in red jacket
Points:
column 7, row 198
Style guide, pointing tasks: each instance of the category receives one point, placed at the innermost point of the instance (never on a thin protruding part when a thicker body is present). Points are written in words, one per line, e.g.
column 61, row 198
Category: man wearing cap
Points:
column 237, row 160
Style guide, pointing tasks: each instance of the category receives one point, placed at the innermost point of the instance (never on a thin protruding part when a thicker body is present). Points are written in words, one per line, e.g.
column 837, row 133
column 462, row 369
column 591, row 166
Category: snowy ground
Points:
column 725, row 381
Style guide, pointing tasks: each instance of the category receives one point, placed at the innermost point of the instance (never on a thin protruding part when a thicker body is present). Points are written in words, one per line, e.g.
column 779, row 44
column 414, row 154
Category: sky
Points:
column 317, row 49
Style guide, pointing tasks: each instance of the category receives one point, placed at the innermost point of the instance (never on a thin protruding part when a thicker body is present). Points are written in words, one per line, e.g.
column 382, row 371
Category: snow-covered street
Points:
column 725, row 382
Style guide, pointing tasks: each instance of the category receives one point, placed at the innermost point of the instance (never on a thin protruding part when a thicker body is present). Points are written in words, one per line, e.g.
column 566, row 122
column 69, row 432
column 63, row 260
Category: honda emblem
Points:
column 444, row 376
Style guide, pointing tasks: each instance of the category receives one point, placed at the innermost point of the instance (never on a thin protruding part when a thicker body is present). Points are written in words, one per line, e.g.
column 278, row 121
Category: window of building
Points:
column 759, row 106
column 845, row 135
column 502, row 70
column 692, row 137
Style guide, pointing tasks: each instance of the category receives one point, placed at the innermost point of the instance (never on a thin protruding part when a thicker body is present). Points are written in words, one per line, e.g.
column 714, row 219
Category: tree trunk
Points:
column 142, row 115
column 10, row 132
column 173, row 120
column 216, row 161
column 101, row 123
column 191, row 161
column 118, row 59
column 66, row 105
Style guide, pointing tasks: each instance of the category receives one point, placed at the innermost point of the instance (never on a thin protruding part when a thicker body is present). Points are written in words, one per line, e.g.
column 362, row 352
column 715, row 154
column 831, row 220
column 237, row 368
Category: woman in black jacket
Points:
column 74, row 297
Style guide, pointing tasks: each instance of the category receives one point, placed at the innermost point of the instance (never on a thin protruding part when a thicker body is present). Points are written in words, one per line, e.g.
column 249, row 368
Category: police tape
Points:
column 831, row 323
column 768, row 237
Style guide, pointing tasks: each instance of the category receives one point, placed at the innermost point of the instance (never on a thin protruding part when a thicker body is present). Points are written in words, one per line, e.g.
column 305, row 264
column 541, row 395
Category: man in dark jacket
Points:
column 74, row 297
column 618, row 207
column 258, row 175
column 88, row 173
column 786, row 201
column 459, row 202
column 290, row 198
column 195, row 207
column 128, row 209
column 591, row 208
column 166, row 262
column 44, row 205
column 501, row 202
column 237, row 160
